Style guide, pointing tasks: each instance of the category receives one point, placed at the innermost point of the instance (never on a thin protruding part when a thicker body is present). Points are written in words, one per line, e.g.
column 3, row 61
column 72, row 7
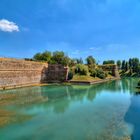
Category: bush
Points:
column 93, row 73
column 100, row 73
column 81, row 69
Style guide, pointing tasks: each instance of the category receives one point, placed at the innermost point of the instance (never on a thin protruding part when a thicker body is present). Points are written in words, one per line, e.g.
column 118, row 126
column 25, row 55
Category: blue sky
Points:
column 106, row 29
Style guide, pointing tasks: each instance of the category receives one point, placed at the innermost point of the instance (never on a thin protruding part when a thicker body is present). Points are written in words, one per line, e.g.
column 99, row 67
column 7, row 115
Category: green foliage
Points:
column 101, row 74
column 132, row 65
column 123, row 64
column 98, row 72
column 90, row 60
column 58, row 57
column 46, row 56
column 79, row 61
column 81, row 69
column 126, row 66
column 108, row 62
column 37, row 57
column 93, row 73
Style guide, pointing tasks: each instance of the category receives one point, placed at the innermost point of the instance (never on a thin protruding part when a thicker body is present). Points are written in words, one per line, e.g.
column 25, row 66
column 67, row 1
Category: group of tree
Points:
column 77, row 65
column 132, row 66
column 108, row 62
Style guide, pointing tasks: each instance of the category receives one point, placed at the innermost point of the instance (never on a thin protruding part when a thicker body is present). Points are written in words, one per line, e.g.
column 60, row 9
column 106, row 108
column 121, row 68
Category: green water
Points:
column 99, row 112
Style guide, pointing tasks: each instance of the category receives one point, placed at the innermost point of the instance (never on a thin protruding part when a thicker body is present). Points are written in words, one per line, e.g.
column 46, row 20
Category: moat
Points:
column 107, row 111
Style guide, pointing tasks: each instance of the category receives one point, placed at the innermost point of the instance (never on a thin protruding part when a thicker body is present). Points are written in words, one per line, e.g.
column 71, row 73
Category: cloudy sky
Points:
column 106, row 29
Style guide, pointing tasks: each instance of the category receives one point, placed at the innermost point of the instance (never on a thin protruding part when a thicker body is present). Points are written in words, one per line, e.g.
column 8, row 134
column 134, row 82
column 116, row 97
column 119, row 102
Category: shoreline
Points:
column 79, row 82
column 75, row 82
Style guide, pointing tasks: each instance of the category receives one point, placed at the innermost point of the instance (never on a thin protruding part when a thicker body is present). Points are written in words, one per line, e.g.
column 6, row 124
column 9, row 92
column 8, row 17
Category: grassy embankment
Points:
column 88, row 78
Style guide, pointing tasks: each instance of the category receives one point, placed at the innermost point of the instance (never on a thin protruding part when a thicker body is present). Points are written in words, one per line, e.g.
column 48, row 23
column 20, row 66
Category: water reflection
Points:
column 86, row 112
column 37, row 95
column 133, row 116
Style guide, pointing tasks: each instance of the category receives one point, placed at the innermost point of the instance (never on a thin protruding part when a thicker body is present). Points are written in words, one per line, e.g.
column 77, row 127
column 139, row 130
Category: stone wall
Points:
column 56, row 73
column 18, row 73
column 15, row 73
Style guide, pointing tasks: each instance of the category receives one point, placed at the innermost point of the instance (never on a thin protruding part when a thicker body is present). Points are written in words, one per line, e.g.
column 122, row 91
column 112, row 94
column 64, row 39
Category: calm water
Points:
column 109, row 111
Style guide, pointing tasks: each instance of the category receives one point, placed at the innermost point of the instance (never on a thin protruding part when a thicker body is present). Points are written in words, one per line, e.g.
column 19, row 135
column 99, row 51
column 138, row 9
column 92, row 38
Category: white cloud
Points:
column 8, row 26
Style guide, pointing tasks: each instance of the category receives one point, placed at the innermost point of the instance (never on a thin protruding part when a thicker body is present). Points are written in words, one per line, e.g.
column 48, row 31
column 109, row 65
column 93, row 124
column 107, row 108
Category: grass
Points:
column 84, row 78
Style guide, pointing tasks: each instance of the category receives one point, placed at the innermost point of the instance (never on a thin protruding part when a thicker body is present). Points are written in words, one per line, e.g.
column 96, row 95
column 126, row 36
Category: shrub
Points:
column 100, row 73
column 93, row 73
column 81, row 69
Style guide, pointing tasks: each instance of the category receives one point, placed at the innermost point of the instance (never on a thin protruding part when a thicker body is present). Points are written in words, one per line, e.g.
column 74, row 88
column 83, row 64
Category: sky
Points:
column 105, row 29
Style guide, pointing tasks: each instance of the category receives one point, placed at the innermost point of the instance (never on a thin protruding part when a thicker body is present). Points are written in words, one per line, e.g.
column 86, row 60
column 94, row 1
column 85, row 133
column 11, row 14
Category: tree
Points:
column 46, row 56
column 37, row 57
column 126, row 66
column 108, row 62
column 57, row 57
column 79, row 61
column 90, row 60
column 123, row 65
column 66, row 61
column 81, row 69
column 100, row 73
column 119, row 64
column 135, row 64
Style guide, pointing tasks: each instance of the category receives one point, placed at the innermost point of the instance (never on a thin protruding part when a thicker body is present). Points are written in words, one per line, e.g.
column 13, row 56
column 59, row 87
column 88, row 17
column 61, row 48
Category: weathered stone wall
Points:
column 56, row 73
column 14, row 73
column 20, row 72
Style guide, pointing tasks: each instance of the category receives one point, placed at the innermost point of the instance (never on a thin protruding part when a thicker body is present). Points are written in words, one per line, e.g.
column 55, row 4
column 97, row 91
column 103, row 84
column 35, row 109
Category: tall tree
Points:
column 57, row 57
column 123, row 65
column 46, row 56
column 90, row 60
column 108, row 62
column 37, row 57
column 126, row 66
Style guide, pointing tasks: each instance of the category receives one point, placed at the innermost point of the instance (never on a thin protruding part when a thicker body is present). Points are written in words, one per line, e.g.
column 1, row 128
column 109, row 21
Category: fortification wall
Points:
column 15, row 73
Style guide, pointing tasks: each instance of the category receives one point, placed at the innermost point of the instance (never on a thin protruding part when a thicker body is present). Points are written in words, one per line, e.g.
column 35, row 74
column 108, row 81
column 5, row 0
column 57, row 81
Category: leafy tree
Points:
column 57, row 57
column 93, row 73
column 123, row 65
column 79, row 61
column 126, row 66
column 66, row 61
column 135, row 64
column 81, row 69
column 108, row 62
column 46, row 56
column 90, row 60
column 37, row 57
column 100, row 73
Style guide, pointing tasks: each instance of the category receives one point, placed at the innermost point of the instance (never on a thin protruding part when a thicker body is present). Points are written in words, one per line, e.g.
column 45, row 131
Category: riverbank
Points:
column 78, row 82
column 97, row 81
